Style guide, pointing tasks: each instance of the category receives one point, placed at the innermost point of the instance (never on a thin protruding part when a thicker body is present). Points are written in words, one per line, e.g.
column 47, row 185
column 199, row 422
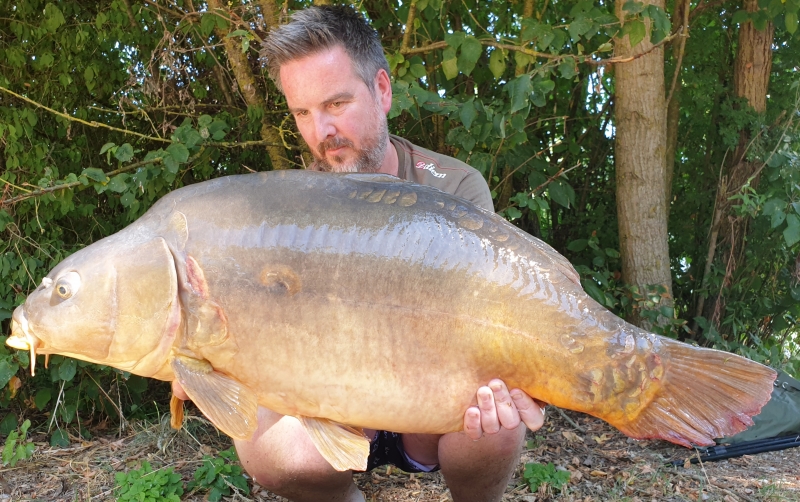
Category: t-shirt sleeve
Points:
column 474, row 188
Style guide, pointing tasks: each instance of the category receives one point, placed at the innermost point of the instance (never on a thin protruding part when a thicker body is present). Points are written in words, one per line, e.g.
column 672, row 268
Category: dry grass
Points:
column 604, row 466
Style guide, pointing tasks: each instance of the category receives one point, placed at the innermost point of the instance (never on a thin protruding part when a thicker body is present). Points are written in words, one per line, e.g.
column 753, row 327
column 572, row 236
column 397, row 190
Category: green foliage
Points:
column 17, row 447
column 148, row 485
column 538, row 474
column 219, row 475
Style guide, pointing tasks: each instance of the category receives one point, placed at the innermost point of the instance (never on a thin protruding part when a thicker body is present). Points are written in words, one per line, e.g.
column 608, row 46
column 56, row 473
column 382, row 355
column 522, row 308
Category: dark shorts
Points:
column 387, row 448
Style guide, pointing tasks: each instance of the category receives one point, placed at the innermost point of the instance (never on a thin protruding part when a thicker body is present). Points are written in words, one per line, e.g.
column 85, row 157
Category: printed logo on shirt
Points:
column 431, row 168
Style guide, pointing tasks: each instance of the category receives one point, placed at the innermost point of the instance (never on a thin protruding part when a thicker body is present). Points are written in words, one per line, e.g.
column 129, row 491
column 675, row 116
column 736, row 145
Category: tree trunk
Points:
column 640, row 163
column 750, row 81
column 250, row 92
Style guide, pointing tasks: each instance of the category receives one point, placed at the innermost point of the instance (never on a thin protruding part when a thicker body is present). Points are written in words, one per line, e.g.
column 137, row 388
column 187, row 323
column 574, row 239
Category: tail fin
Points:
column 705, row 394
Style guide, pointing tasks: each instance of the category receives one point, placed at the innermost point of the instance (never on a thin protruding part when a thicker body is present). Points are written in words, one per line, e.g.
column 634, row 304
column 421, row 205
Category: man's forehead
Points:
column 319, row 77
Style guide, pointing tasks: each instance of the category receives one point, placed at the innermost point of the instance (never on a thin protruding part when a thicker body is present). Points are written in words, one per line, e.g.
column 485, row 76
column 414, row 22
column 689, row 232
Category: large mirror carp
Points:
column 361, row 301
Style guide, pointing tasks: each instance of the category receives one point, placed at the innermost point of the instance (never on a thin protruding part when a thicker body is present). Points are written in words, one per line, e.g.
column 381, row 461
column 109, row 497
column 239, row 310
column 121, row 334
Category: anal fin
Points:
column 227, row 403
column 344, row 447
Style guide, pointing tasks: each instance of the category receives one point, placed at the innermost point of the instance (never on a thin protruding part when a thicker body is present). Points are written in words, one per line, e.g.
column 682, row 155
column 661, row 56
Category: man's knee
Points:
column 458, row 448
column 288, row 474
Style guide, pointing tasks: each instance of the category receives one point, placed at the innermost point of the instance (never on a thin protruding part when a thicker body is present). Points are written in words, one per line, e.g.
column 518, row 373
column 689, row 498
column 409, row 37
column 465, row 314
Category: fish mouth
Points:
column 21, row 337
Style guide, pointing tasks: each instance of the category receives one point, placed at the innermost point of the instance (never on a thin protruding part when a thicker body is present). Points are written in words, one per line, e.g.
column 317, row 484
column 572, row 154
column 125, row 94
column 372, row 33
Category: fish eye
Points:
column 68, row 285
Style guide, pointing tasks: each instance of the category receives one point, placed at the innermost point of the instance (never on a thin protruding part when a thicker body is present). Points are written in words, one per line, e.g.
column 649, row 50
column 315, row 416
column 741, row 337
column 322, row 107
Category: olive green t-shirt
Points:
column 450, row 175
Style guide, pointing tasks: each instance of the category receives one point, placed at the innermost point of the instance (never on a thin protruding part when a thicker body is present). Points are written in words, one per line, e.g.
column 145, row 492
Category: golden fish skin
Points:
column 372, row 302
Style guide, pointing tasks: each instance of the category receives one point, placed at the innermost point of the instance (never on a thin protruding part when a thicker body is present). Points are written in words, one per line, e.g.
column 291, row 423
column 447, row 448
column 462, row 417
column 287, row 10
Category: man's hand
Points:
column 497, row 407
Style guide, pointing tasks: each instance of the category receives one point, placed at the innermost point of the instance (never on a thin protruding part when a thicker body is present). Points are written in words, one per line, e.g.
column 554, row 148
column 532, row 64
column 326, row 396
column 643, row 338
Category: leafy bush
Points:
column 538, row 474
column 218, row 475
column 17, row 447
column 148, row 485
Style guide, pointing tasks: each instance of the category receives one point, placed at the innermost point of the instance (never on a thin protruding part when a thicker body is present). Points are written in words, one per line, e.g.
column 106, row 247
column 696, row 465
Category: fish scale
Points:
column 367, row 302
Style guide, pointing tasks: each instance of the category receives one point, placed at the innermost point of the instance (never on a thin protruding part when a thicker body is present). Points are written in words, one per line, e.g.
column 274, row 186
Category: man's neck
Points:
column 390, row 163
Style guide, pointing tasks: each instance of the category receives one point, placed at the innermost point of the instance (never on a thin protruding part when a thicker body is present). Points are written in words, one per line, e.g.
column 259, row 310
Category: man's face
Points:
column 343, row 123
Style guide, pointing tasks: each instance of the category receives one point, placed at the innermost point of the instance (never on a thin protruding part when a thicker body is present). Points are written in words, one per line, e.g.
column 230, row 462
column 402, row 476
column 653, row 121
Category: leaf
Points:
column 636, row 31
column 53, row 18
column 740, row 17
column 633, row 7
column 178, row 152
column 7, row 370
column 772, row 206
column 579, row 27
column 497, row 63
column 222, row 23
column 59, row 438
column 127, row 199
column 117, row 183
column 518, row 122
column 777, row 218
column 41, row 398
column 467, row 113
column 544, row 35
column 454, row 40
column 469, row 54
column 417, row 70
column 95, row 174
column 67, row 369
column 106, row 147
column 577, row 245
column 171, row 164
column 790, row 18
column 603, row 438
column 520, row 90
column 124, row 153
column 571, row 436
column 791, row 233
column 512, row 213
column 450, row 68
column 561, row 192
column 567, row 68
column 207, row 23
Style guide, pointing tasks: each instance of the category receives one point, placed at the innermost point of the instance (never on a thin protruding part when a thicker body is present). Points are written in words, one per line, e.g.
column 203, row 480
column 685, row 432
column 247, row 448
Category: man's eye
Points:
column 336, row 104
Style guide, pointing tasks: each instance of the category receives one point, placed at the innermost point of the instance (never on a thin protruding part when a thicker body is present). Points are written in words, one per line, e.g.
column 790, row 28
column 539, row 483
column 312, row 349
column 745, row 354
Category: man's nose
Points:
column 324, row 126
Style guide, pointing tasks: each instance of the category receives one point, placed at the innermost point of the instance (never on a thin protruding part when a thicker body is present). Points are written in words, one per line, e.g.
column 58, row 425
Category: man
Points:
column 329, row 63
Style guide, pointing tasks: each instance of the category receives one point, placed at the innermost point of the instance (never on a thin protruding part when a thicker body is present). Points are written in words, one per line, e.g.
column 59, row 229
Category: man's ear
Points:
column 383, row 85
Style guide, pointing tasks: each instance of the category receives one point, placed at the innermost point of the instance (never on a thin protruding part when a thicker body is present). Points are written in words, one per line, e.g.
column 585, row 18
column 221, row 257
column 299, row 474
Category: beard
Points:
column 368, row 158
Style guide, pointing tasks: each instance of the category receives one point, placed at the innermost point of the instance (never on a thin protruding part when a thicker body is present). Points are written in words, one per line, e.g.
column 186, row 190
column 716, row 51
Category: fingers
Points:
column 505, row 408
column 178, row 391
column 489, row 421
column 472, row 423
column 531, row 413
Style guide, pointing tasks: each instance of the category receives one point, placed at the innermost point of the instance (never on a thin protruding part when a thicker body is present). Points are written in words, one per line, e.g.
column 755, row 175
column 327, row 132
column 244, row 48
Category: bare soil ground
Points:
column 603, row 465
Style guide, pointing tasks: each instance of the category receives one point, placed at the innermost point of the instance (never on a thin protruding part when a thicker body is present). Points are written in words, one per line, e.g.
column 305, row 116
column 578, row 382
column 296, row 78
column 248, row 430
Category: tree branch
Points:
column 412, row 14
column 684, row 34
column 65, row 186
column 84, row 122
column 545, row 55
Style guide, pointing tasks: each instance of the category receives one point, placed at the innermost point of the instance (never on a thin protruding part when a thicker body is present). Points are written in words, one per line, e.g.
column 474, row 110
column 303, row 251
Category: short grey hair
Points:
column 321, row 28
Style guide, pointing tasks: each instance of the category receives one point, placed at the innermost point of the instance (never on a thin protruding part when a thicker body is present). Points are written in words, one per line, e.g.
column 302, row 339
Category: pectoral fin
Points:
column 227, row 403
column 175, row 412
column 344, row 447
